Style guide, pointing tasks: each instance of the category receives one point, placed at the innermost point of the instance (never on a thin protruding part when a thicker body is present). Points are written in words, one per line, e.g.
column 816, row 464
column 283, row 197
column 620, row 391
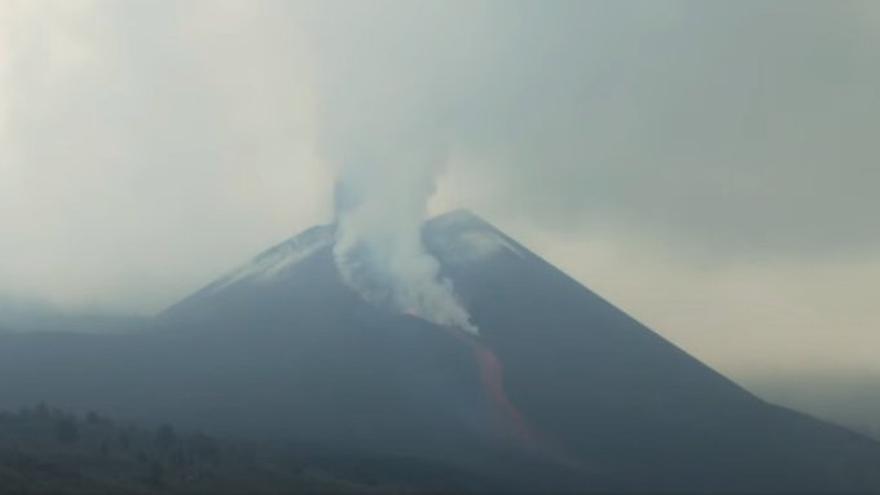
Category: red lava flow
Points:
column 515, row 423
column 492, row 377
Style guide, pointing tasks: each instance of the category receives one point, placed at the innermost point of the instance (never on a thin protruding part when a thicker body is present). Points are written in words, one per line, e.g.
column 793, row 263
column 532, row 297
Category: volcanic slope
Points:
column 559, row 390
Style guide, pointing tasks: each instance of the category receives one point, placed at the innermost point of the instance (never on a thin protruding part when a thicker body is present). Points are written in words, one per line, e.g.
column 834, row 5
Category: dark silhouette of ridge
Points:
column 559, row 391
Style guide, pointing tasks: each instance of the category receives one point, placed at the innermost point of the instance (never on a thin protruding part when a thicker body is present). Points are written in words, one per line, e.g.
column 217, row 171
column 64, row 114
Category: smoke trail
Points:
column 387, row 132
column 380, row 209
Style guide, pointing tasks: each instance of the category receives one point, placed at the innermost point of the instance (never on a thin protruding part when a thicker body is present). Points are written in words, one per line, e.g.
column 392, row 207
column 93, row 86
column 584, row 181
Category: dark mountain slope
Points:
column 19, row 314
column 610, row 390
column 560, row 390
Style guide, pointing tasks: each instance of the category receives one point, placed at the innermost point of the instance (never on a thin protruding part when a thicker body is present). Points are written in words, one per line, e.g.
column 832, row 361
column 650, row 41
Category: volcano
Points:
column 560, row 390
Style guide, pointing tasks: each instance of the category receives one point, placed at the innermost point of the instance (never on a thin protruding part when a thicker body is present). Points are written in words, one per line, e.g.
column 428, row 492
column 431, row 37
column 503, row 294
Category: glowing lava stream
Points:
column 513, row 422
column 492, row 379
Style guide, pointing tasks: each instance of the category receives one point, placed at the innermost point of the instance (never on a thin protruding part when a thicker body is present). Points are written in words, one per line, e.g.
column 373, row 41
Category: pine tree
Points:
column 166, row 437
column 66, row 431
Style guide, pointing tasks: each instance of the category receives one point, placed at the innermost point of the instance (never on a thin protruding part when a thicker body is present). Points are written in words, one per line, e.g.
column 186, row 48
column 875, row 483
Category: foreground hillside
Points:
column 46, row 450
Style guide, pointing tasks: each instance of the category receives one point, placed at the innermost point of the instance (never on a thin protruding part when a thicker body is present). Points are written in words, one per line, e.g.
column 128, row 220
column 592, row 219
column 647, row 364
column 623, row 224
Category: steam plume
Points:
column 389, row 157
column 387, row 132
column 380, row 208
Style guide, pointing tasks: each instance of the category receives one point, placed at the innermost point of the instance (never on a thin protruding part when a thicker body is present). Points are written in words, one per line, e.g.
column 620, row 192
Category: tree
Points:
column 66, row 431
column 156, row 478
column 205, row 448
column 124, row 440
column 166, row 437
column 93, row 418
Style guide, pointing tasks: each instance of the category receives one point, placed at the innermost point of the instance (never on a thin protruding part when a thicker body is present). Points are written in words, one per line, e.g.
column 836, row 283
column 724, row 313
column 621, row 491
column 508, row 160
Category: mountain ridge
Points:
column 281, row 347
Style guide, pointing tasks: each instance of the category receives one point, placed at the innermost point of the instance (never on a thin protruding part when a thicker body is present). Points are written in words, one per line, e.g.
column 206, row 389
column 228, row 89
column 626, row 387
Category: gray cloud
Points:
column 740, row 126
column 146, row 147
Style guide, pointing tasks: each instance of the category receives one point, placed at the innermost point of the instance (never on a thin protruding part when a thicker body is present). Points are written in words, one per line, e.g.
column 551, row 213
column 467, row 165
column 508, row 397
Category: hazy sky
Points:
column 709, row 166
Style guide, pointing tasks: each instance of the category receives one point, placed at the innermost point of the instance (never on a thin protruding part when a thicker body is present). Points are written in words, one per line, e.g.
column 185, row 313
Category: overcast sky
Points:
column 709, row 166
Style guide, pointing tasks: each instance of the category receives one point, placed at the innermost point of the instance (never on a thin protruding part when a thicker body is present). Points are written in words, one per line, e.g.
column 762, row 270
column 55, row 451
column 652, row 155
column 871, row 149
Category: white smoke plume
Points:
column 379, row 249
column 387, row 133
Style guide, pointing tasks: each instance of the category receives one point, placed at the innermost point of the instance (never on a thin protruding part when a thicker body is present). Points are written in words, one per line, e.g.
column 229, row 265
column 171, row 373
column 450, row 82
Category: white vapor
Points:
column 379, row 250
column 388, row 134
